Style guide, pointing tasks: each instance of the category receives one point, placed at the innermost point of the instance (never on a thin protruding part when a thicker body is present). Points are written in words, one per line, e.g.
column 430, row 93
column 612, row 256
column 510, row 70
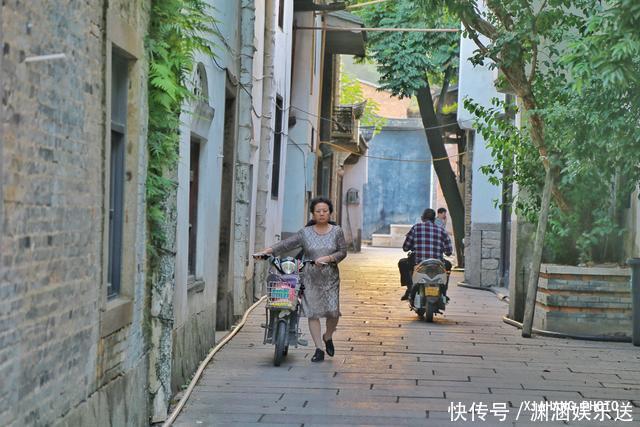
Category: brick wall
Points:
column 51, row 170
column 389, row 106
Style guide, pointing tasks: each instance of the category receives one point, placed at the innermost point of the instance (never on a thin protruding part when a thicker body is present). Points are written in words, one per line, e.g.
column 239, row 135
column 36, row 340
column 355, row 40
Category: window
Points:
column 277, row 148
column 119, row 88
column 281, row 14
column 194, row 178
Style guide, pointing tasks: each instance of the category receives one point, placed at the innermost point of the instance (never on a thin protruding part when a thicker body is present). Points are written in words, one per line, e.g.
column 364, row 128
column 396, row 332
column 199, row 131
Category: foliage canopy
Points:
column 574, row 65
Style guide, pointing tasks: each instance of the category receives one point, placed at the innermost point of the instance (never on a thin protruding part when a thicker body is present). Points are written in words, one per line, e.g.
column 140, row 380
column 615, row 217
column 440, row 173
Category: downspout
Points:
column 266, row 137
column 243, row 175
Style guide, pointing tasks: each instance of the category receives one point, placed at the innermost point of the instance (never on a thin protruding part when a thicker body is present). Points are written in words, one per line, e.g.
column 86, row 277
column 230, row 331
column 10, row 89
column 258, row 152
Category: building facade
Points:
column 485, row 238
column 397, row 191
column 88, row 336
column 73, row 166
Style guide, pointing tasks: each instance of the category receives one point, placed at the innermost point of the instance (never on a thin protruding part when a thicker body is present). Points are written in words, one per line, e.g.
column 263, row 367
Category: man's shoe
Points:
column 405, row 296
column 318, row 356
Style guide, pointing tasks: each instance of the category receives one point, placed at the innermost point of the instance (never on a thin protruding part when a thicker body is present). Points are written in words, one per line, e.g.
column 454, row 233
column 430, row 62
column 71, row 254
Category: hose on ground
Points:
column 205, row 362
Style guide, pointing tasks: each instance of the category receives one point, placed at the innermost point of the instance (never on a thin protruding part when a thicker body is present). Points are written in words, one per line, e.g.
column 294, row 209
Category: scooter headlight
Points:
column 288, row 267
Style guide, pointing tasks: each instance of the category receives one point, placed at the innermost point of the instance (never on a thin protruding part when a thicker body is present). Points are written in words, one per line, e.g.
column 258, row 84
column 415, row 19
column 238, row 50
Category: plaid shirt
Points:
column 427, row 240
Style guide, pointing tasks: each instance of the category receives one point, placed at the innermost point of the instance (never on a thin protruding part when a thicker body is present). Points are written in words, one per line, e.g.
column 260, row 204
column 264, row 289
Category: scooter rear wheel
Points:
column 281, row 338
column 429, row 313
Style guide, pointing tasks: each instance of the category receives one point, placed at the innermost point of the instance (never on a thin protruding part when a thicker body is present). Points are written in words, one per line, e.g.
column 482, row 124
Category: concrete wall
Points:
column 305, row 99
column 282, row 87
column 67, row 355
column 355, row 177
column 396, row 192
column 482, row 246
column 195, row 297
column 634, row 225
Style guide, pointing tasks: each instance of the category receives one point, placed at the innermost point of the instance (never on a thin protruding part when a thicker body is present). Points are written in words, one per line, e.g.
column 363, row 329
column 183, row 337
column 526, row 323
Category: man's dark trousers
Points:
column 405, row 265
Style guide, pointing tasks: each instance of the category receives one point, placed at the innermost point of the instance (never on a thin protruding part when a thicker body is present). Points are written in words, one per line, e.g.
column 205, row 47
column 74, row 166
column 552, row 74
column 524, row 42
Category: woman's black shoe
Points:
column 318, row 356
column 329, row 346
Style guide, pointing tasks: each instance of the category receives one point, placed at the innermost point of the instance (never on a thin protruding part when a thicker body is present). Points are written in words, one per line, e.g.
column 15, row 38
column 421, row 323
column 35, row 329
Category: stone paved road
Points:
column 392, row 369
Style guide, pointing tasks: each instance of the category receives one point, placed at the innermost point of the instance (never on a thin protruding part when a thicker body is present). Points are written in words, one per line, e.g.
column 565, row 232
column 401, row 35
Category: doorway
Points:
column 224, row 317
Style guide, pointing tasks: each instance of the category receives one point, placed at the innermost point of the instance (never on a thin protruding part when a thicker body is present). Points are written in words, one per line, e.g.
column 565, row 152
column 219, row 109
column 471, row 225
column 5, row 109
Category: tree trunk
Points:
column 532, row 285
column 443, row 168
column 443, row 92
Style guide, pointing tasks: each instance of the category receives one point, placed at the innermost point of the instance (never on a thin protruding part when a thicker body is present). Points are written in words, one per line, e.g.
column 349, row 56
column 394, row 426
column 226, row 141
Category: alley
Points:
column 392, row 369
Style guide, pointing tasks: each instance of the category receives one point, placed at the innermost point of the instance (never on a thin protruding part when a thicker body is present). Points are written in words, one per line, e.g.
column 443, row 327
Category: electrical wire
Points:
column 412, row 129
column 343, row 149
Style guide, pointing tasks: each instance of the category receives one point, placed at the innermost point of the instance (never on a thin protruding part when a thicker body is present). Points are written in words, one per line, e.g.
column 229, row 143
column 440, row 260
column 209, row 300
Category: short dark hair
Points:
column 442, row 210
column 314, row 202
column 428, row 215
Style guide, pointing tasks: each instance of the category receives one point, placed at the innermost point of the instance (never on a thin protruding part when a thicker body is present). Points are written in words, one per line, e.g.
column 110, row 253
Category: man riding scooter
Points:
column 426, row 240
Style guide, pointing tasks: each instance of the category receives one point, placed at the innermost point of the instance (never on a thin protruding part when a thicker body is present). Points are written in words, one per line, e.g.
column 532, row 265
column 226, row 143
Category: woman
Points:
column 324, row 243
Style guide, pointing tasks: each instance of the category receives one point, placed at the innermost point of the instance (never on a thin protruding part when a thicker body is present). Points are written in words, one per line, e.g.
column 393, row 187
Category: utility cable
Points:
column 438, row 159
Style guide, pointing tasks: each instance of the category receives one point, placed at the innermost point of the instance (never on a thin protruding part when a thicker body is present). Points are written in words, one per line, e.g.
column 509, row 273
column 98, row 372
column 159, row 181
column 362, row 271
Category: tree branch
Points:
column 501, row 13
column 534, row 63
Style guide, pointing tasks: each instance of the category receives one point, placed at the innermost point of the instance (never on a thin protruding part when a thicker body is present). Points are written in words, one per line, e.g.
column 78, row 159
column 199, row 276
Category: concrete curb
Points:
column 501, row 293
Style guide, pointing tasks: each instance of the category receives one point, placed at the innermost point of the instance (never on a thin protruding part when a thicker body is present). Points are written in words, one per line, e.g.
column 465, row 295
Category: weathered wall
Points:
column 195, row 296
column 63, row 350
column 282, row 87
column 482, row 246
column 355, row 177
column 584, row 300
column 305, row 91
column 396, row 192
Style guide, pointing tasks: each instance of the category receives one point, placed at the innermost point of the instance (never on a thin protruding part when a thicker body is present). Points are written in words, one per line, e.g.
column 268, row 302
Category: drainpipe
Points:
column 244, row 150
column 635, row 299
column 266, row 137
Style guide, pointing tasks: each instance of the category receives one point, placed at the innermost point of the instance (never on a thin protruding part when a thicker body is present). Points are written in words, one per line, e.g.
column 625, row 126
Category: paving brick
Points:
column 392, row 369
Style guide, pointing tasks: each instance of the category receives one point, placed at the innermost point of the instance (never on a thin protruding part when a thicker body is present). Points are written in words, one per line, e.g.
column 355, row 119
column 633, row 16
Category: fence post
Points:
column 635, row 299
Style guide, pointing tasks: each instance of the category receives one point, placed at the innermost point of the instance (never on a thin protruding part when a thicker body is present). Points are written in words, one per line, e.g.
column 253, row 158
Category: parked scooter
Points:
column 428, row 294
column 284, row 290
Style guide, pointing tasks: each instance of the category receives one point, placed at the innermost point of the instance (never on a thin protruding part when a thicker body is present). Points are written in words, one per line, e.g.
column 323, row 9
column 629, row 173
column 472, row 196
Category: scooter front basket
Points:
column 283, row 292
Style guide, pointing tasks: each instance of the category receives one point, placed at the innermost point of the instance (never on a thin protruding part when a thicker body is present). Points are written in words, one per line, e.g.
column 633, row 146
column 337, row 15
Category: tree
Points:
column 351, row 93
column 512, row 34
column 408, row 63
column 531, row 44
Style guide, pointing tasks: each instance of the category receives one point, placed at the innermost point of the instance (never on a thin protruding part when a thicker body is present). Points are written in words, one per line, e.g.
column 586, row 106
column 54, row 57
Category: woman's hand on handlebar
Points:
column 324, row 260
column 263, row 254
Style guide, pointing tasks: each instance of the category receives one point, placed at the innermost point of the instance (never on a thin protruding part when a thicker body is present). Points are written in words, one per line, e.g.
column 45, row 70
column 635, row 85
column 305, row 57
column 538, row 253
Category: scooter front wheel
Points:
column 281, row 338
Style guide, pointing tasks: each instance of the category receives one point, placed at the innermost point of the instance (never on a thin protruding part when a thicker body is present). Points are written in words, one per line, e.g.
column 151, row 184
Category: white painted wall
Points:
column 210, row 190
column 355, row 176
column 282, row 82
column 476, row 82
column 300, row 170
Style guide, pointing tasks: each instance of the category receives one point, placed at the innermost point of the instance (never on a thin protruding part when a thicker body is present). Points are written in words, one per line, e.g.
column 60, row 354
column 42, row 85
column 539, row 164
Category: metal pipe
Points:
column 355, row 6
column 634, row 263
column 404, row 30
column 553, row 334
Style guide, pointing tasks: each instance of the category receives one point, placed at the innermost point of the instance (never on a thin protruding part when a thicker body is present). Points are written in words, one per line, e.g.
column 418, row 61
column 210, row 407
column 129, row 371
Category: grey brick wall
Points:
column 589, row 302
column 51, row 170
column 482, row 255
